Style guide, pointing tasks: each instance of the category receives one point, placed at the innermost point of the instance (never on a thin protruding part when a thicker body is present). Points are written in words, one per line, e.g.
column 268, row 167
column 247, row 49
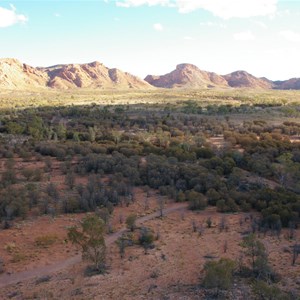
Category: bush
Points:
column 197, row 201
column 264, row 290
column 146, row 238
column 45, row 241
column 130, row 222
column 219, row 274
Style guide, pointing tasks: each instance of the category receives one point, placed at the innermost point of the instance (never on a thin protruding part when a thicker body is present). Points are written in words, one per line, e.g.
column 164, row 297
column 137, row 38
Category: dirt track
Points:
column 7, row 279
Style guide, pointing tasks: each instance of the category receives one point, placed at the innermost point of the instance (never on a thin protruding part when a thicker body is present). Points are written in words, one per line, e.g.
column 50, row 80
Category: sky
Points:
column 153, row 36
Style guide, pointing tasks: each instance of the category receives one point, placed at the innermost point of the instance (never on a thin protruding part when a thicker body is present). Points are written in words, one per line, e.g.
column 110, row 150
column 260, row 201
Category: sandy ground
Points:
column 172, row 270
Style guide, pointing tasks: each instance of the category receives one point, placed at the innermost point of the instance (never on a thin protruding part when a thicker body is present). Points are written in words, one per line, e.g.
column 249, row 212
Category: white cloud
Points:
column 158, row 27
column 129, row 3
column 213, row 24
column 189, row 38
column 9, row 17
column 244, row 36
column 224, row 9
column 261, row 24
column 290, row 35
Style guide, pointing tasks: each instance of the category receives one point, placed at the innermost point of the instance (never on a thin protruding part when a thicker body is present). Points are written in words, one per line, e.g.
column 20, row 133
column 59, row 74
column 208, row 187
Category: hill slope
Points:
column 187, row 76
column 15, row 75
column 240, row 79
column 18, row 76
column 190, row 76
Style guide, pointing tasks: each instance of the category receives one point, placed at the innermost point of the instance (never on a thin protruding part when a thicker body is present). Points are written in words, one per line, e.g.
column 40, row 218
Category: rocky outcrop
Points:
column 15, row 75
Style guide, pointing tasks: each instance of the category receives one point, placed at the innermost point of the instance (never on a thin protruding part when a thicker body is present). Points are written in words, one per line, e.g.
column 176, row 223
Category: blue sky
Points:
column 152, row 36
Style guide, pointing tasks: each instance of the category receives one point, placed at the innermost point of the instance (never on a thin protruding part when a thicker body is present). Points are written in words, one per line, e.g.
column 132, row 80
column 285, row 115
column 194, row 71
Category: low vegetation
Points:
column 239, row 152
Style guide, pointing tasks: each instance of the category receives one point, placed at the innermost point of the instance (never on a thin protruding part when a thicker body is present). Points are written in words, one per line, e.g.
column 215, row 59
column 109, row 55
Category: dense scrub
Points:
column 255, row 165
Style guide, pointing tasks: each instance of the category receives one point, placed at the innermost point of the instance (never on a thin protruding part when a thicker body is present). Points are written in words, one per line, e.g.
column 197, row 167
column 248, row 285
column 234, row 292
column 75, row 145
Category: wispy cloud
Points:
column 244, row 36
column 9, row 17
column 158, row 27
column 290, row 35
column 224, row 9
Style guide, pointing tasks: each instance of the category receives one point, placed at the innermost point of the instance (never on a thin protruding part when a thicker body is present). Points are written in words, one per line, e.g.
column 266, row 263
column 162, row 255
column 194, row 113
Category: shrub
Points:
column 219, row 274
column 45, row 241
column 130, row 222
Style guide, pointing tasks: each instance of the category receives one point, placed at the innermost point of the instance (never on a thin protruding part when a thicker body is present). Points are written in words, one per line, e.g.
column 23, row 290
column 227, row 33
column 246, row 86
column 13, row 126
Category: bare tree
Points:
column 296, row 252
column 292, row 228
column 225, row 246
column 1, row 265
column 122, row 246
column 222, row 224
column 121, row 218
column 161, row 205
column 146, row 202
column 194, row 226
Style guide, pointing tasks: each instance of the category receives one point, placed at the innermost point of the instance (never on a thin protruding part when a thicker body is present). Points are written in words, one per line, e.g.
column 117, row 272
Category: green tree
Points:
column 197, row 201
column 36, row 128
column 265, row 291
column 61, row 131
column 219, row 274
column 146, row 238
column 91, row 240
column 130, row 222
column 258, row 256
column 14, row 128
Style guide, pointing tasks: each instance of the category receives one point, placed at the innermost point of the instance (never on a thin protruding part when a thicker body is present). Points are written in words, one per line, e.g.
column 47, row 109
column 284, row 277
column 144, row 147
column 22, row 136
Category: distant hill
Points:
column 291, row 84
column 241, row 79
column 15, row 75
column 190, row 76
column 187, row 76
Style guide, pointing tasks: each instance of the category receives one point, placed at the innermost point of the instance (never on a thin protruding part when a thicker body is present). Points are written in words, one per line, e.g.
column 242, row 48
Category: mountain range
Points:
column 19, row 76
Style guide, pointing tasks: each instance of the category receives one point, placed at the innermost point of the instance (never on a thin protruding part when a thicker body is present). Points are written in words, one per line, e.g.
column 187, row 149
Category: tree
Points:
column 130, row 222
column 122, row 246
column 146, row 238
column 161, row 204
column 296, row 252
column 257, row 253
column 1, row 265
column 91, row 240
column 219, row 274
column 197, row 201
column 269, row 292
column 70, row 179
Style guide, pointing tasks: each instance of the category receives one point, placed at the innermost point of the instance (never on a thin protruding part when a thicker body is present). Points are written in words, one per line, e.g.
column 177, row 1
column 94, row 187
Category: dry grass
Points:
column 22, row 99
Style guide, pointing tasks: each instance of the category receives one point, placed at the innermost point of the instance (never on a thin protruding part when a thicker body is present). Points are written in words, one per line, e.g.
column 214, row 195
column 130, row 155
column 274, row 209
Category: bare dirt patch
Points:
column 173, row 268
